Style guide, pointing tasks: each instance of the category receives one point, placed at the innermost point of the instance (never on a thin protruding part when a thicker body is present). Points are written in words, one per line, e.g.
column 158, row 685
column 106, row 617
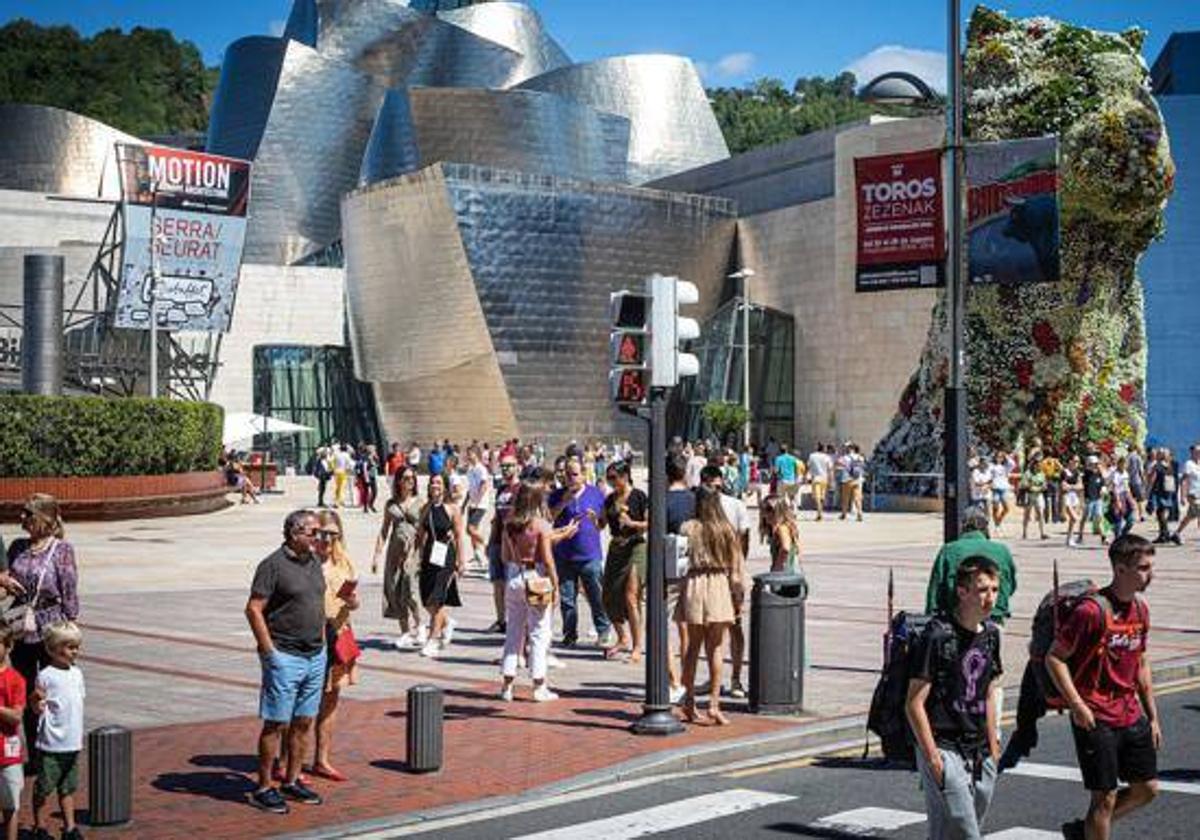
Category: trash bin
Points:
column 777, row 643
column 110, row 775
column 424, row 733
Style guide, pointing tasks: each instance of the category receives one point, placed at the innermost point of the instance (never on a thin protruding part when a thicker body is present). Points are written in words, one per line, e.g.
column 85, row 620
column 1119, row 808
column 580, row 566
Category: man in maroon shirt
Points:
column 1099, row 664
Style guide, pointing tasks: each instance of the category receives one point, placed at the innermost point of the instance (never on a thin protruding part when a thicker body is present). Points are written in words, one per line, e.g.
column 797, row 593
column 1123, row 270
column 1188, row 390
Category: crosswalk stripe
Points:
column 870, row 819
column 1024, row 834
column 1071, row 774
column 661, row 818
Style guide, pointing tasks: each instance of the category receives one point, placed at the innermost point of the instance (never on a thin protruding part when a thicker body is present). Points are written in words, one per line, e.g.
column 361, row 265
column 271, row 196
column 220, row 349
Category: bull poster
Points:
column 901, row 223
column 1012, row 211
column 185, row 217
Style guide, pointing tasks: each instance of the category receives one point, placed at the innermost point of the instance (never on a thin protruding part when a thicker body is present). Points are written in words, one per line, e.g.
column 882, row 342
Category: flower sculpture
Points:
column 1064, row 361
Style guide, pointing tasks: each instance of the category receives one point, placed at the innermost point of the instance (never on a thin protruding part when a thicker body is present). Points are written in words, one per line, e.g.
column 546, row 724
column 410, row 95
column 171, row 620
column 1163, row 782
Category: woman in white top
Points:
column 981, row 485
column 1002, row 495
column 1072, row 486
column 1121, row 498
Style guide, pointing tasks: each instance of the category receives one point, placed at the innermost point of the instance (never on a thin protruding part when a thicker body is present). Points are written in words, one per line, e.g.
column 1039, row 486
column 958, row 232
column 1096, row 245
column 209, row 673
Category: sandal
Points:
column 615, row 653
column 717, row 718
column 324, row 771
column 687, row 708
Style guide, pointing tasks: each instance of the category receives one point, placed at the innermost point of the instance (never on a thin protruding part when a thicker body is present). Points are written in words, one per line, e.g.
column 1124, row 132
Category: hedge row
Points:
column 93, row 436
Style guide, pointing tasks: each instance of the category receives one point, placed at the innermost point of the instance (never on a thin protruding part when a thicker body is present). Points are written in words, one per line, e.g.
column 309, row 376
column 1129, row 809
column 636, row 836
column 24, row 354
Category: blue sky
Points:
column 733, row 41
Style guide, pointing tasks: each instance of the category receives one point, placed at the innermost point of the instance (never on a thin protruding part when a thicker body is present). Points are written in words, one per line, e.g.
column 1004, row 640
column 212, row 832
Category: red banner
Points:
column 901, row 226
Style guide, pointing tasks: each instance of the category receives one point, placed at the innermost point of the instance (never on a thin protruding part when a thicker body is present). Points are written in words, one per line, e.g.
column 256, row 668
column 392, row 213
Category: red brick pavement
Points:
column 191, row 780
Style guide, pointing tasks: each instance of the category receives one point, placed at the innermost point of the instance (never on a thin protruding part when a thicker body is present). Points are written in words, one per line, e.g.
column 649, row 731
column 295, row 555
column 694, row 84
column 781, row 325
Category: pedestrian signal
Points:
column 630, row 386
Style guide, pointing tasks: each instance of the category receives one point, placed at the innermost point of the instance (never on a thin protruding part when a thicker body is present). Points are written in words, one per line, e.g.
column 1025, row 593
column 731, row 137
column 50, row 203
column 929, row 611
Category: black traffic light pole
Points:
column 656, row 716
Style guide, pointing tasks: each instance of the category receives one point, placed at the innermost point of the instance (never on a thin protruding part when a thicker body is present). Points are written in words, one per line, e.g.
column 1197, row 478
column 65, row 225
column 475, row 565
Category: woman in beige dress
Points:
column 716, row 569
column 401, row 570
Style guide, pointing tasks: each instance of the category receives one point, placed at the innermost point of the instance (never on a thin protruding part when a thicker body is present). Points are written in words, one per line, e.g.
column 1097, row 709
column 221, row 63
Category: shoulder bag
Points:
column 25, row 615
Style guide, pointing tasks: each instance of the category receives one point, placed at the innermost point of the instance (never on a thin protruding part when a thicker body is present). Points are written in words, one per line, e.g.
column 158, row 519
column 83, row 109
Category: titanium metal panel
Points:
column 673, row 126
column 516, row 26
column 392, row 148
column 303, row 23
column 49, row 150
column 507, row 275
column 310, row 155
column 249, row 82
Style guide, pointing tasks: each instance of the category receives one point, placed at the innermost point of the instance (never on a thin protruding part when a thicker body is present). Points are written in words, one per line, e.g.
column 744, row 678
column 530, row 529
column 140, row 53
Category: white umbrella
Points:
column 242, row 426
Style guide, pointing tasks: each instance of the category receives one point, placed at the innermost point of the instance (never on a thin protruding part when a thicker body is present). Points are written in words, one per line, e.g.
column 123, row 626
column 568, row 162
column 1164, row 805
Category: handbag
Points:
column 345, row 647
column 539, row 590
column 25, row 615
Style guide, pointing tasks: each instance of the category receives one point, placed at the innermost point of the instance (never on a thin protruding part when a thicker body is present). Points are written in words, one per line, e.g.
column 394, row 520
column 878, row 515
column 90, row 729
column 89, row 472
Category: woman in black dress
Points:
column 439, row 540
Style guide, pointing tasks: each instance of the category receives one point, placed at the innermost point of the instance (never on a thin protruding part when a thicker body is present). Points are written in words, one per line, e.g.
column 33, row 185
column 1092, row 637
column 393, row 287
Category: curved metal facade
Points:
column 245, row 94
column 49, row 150
column 517, row 27
column 673, row 126
column 525, row 264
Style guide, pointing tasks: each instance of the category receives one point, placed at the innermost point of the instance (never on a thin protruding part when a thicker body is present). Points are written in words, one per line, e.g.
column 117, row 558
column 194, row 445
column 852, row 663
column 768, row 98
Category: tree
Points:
column 727, row 419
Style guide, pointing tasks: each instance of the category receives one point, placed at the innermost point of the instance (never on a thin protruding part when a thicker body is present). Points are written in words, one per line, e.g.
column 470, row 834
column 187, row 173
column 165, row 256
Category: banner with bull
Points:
column 1012, row 211
column 185, row 219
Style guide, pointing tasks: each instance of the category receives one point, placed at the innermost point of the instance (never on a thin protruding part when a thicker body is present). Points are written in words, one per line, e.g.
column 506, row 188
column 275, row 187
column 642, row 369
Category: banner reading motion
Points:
column 192, row 206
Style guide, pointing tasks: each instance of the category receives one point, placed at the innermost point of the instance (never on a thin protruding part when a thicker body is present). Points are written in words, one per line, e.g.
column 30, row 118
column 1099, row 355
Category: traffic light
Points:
column 668, row 330
column 629, row 379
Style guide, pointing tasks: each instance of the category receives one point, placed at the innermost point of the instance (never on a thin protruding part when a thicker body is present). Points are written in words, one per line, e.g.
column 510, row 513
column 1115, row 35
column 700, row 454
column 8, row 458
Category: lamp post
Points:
column 744, row 274
column 899, row 88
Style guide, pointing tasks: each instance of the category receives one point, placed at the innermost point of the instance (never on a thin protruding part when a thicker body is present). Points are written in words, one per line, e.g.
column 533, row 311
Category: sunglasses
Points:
column 508, row 466
column 326, row 536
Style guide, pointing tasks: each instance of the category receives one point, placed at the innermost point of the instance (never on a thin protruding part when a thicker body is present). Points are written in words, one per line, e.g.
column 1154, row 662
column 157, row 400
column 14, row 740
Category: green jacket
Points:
column 942, row 594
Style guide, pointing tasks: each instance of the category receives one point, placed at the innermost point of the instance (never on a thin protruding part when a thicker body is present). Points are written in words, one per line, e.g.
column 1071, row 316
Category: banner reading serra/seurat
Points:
column 194, row 204
column 1061, row 361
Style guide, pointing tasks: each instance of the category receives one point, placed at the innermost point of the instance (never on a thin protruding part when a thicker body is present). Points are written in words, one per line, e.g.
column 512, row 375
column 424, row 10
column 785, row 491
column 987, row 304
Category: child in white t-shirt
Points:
column 58, row 701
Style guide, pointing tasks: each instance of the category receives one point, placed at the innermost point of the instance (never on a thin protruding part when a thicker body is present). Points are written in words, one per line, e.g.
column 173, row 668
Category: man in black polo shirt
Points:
column 286, row 612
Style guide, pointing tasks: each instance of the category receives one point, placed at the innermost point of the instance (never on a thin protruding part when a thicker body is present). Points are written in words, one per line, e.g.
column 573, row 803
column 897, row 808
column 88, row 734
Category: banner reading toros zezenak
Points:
column 901, row 227
column 190, row 208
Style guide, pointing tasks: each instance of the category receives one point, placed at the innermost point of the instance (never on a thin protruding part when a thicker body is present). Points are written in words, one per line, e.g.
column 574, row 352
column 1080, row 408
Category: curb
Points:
column 800, row 741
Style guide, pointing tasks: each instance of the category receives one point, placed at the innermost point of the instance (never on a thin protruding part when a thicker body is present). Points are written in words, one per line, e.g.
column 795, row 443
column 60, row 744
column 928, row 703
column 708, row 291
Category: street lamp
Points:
column 744, row 274
column 905, row 88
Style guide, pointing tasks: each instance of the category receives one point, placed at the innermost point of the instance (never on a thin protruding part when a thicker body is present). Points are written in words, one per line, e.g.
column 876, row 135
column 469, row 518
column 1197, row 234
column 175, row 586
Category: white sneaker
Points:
column 448, row 631
column 542, row 694
column 422, row 635
column 553, row 661
column 407, row 641
column 431, row 649
column 506, row 693
column 520, row 660
column 675, row 693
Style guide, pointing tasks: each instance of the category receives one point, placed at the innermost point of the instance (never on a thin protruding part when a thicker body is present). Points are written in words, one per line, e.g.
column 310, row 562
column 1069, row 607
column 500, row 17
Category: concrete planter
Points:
column 120, row 497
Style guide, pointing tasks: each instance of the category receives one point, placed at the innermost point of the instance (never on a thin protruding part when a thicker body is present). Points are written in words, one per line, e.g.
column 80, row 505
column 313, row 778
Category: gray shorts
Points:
column 12, row 781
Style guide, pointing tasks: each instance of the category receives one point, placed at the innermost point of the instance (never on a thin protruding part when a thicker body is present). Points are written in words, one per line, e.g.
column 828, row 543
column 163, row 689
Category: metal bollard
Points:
column 425, row 706
column 110, row 775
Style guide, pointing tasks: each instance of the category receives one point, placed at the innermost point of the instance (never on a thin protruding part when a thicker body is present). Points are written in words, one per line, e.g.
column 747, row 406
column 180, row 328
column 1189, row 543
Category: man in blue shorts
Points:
column 286, row 612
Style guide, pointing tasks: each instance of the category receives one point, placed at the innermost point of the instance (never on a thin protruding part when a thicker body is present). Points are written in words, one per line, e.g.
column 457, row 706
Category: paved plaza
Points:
column 168, row 653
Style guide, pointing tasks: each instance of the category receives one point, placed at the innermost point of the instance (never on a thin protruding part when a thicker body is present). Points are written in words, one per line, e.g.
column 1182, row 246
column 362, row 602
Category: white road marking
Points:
column 1071, row 774
column 668, row 817
column 1024, row 834
column 870, row 819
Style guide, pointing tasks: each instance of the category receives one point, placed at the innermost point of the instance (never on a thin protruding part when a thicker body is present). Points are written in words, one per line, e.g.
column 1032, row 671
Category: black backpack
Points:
column 887, row 717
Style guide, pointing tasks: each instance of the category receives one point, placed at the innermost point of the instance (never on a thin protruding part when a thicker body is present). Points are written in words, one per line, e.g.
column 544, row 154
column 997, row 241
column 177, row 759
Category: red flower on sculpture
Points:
column 1107, row 446
column 1024, row 371
column 1128, row 392
column 1046, row 338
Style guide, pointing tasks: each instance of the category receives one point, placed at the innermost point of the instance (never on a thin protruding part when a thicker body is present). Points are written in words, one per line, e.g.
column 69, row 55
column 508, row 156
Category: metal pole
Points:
column 746, row 355
column 656, row 716
column 153, row 295
column 42, row 330
column 955, row 414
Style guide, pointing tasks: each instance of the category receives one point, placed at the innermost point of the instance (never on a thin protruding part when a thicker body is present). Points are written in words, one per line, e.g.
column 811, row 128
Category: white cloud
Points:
column 728, row 67
column 276, row 27
column 927, row 65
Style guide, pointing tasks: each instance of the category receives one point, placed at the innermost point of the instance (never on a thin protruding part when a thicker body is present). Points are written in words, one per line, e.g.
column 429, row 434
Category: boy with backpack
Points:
column 1098, row 663
column 951, row 705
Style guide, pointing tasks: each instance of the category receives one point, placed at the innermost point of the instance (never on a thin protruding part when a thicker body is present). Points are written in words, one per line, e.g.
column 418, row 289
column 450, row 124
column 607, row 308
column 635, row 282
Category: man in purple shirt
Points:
column 580, row 558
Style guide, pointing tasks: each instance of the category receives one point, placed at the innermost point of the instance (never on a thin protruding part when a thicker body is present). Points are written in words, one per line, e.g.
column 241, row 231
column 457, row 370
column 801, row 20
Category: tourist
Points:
column 441, row 537
column 43, row 566
column 506, row 496
column 820, row 466
column 626, row 515
column 1072, row 487
column 1002, row 494
column 1189, row 488
column 681, row 508
column 579, row 559
column 852, row 486
column 941, row 594
column 479, row 494
column 1052, row 468
column 13, row 694
column 367, row 473
column 716, row 569
column 981, row 484
column 413, row 458
column 788, row 471
column 745, row 459
column 1098, row 662
column 57, row 700
column 1122, row 511
column 1137, row 481
column 531, row 588
column 343, row 467
column 456, row 485
column 778, row 528
column 1033, row 484
column 437, row 459
column 952, row 708
column 401, row 568
column 1093, row 489
column 1162, row 487
column 320, row 469
column 395, row 460
column 235, row 477
column 287, row 617
column 737, row 515
column 697, row 459
column 342, row 653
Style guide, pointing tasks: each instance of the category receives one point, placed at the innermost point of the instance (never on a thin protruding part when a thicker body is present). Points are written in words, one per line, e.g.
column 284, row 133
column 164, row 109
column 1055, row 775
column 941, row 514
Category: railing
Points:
column 925, row 484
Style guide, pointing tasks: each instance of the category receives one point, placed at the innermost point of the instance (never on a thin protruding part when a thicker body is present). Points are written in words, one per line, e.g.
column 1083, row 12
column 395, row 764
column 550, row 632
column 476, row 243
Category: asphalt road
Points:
column 825, row 798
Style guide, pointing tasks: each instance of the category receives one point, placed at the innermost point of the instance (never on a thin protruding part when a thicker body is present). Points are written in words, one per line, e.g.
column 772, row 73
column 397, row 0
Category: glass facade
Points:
column 772, row 373
column 315, row 387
